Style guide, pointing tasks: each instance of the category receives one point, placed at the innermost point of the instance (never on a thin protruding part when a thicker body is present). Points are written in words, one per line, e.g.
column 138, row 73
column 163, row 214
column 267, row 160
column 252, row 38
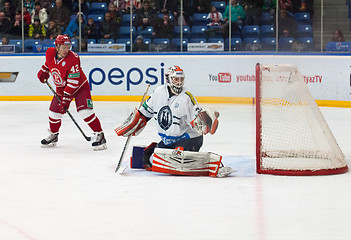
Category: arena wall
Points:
column 212, row 78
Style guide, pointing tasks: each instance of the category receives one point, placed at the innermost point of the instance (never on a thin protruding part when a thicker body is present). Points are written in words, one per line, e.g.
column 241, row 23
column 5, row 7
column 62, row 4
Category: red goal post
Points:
column 292, row 136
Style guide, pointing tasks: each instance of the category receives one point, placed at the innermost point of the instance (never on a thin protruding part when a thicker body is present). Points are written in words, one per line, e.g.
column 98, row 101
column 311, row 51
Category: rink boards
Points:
column 212, row 78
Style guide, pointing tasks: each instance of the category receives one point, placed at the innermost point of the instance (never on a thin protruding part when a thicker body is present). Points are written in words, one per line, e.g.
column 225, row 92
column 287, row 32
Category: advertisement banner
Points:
column 100, row 47
column 208, row 75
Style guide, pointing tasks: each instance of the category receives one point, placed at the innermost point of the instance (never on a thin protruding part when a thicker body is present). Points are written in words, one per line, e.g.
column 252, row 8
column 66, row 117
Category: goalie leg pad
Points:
column 141, row 155
column 178, row 162
column 132, row 126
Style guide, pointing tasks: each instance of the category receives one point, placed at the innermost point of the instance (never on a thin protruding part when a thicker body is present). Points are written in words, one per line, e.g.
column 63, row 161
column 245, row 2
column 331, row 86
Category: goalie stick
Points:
column 69, row 114
column 118, row 168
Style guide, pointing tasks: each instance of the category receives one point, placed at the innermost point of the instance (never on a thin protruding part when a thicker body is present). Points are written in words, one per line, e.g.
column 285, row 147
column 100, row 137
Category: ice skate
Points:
column 99, row 141
column 50, row 141
column 224, row 172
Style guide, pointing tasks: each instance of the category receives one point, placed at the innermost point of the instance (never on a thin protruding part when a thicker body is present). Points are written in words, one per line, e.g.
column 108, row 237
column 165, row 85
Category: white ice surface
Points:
column 71, row 192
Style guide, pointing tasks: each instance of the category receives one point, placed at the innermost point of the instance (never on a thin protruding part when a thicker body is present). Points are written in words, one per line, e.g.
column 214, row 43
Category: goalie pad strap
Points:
column 132, row 126
column 178, row 162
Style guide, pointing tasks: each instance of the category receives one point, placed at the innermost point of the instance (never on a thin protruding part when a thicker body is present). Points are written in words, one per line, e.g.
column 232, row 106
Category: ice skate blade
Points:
column 100, row 147
column 50, row 145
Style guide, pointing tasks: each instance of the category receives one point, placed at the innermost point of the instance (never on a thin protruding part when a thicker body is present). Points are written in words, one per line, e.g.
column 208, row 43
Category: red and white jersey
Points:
column 66, row 73
column 173, row 114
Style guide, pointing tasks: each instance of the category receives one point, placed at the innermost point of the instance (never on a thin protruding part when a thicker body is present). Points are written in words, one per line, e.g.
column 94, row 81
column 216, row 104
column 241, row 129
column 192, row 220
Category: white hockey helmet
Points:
column 175, row 79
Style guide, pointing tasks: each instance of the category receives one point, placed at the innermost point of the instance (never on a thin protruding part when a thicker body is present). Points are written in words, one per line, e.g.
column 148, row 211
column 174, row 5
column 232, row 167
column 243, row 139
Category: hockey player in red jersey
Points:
column 71, row 83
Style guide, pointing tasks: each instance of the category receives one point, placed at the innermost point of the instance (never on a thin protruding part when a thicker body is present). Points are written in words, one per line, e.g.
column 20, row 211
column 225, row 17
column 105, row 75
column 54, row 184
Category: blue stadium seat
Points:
column 266, row 19
column 126, row 19
column 303, row 18
column 146, row 33
column 74, row 43
column 198, row 31
column 307, row 43
column 48, row 41
column 199, row 19
column 220, row 5
column 147, row 41
column 171, row 17
column 176, row 44
column 30, row 43
column 215, row 40
column 304, row 30
column 186, row 32
column 91, row 41
column 125, row 41
column 267, row 31
column 198, row 40
column 98, row 8
column 268, row 43
column 236, row 44
column 124, row 32
column 251, row 31
column 251, row 43
column 285, row 43
column 107, row 41
column 17, row 43
column 96, row 17
column 160, row 41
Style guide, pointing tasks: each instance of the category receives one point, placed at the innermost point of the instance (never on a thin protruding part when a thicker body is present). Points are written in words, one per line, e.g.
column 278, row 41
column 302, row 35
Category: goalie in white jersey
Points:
column 181, row 126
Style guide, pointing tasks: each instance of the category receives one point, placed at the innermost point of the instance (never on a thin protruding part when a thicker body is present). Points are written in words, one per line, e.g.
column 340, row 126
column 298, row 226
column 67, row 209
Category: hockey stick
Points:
column 118, row 169
column 69, row 114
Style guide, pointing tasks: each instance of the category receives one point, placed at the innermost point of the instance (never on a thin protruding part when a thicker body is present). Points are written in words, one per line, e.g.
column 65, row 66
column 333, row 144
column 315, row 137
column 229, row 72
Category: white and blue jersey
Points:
column 173, row 114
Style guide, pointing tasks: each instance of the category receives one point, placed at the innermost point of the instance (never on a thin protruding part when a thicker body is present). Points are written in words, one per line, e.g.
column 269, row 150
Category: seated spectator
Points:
column 338, row 36
column 287, row 5
column 36, row 30
column 26, row 16
column 136, row 5
column 145, row 16
column 29, row 4
column 4, row 40
column 9, row 10
column 72, row 31
column 139, row 45
column 60, row 14
column 108, row 27
column 253, row 9
column 40, row 13
column 164, row 27
column 53, row 30
column 16, row 26
column 4, row 23
column 83, row 7
column 214, row 18
column 116, row 15
column 90, row 30
column 202, row 6
column 120, row 4
column 168, row 6
column 238, row 13
column 287, row 24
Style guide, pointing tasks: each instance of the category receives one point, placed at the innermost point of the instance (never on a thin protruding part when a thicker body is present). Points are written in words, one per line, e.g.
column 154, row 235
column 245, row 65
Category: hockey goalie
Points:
column 181, row 124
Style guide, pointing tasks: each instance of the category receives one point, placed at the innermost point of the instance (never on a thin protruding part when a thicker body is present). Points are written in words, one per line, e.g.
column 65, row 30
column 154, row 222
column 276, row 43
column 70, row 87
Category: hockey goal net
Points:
column 292, row 136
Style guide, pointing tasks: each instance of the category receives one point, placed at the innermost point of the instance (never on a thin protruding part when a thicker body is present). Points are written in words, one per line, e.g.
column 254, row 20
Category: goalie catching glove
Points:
column 206, row 122
column 132, row 126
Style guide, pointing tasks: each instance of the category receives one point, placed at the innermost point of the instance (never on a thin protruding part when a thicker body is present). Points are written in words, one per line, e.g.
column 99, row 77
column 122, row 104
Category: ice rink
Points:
column 71, row 192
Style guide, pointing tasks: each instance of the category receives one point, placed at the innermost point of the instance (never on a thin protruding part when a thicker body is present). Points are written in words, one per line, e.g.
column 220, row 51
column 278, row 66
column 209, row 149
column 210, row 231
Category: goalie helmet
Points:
column 175, row 79
column 62, row 40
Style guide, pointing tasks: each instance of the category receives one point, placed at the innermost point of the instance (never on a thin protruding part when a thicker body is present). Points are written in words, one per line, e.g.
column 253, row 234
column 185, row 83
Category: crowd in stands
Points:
column 45, row 19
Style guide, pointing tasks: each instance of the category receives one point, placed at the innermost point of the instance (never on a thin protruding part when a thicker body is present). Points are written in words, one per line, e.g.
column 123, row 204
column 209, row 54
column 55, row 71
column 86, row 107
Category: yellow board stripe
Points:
column 219, row 100
column 5, row 74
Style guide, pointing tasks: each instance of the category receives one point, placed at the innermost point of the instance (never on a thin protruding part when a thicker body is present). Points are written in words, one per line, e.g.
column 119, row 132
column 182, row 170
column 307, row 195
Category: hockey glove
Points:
column 206, row 122
column 65, row 101
column 132, row 126
column 43, row 74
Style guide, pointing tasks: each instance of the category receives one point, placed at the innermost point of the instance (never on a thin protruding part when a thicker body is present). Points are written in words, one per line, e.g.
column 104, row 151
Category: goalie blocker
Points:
column 179, row 162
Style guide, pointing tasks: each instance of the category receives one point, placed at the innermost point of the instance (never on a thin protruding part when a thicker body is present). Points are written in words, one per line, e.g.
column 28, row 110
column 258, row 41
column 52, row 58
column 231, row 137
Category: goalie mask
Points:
column 175, row 79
